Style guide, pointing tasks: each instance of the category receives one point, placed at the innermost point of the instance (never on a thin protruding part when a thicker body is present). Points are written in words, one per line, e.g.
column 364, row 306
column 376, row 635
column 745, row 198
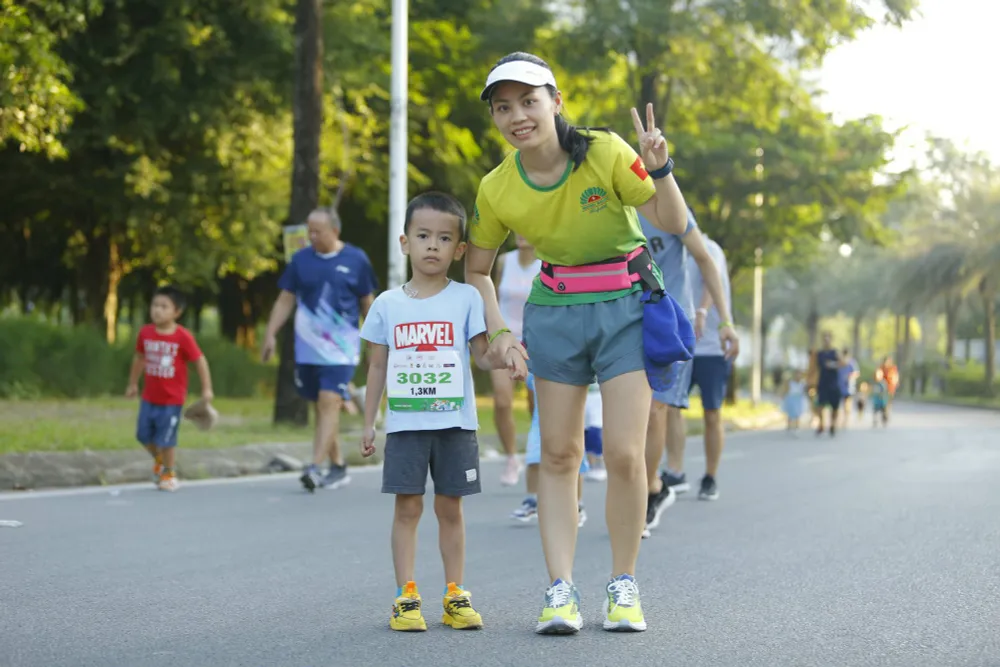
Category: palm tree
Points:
column 958, row 258
column 984, row 209
column 936, row 273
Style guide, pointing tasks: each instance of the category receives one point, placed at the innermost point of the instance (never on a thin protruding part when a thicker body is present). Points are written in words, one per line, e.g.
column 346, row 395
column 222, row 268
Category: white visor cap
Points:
column 521, row 71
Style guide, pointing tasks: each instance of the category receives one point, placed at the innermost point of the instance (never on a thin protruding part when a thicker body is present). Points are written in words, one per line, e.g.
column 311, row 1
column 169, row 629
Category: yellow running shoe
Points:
column 561, row 615
column 624, row 612
column 406, row 614
column 458, row 611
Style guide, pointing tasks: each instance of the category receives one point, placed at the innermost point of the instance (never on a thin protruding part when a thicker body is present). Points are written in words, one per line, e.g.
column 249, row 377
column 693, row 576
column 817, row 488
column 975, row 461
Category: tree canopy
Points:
column 151, row 141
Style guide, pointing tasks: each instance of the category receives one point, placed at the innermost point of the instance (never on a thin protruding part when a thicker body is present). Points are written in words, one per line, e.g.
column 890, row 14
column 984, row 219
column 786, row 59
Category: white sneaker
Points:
column 511, row 473
column 168, row 483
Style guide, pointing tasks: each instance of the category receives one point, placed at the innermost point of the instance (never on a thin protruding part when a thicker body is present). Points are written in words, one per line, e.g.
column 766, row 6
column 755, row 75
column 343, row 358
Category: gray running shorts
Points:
column 574, row 344
column 450, row 455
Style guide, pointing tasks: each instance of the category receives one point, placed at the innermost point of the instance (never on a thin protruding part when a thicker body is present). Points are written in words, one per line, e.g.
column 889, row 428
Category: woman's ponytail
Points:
column 573, row 141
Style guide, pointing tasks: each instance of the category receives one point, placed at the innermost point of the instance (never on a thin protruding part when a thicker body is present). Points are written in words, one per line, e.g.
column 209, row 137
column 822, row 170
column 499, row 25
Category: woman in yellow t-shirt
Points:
column 573, row 195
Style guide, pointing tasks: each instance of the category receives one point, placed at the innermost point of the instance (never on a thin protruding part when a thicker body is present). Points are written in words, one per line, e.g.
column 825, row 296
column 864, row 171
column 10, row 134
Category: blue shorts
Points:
column 829, row 397
column 711, row 374
column 310, row 379
column 593, row 441
column 157, row 424
column 576, row 344
column 677, row 395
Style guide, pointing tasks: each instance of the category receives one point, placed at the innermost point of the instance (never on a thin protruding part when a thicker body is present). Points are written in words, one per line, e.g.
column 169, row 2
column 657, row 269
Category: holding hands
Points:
column 506, row 352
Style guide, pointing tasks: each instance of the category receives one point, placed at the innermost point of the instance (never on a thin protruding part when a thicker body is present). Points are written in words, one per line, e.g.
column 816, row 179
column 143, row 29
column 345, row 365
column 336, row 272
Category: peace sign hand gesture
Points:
column 652, row 143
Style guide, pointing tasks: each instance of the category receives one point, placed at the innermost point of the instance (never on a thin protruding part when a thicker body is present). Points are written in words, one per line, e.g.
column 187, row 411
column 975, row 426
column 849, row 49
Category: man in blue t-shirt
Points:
column 667, row 428
column 331, row 285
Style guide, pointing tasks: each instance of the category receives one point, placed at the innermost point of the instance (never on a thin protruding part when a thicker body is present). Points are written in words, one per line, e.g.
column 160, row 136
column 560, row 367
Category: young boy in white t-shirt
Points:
column 420, row 336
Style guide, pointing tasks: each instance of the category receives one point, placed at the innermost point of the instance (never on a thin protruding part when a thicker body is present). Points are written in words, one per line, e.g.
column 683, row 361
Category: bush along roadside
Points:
column 46, row 360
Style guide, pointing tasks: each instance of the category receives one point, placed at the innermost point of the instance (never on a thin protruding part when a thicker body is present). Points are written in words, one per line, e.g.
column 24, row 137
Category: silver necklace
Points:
column 412, row 292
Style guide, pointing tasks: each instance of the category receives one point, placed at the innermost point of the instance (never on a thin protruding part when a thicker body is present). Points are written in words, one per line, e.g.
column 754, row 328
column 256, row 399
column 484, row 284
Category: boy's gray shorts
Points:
column 576, row 344
column 451, row 455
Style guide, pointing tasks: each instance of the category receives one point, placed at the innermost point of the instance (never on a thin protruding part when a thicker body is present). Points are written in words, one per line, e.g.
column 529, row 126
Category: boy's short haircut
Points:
column 436, row 201
column 172, row 293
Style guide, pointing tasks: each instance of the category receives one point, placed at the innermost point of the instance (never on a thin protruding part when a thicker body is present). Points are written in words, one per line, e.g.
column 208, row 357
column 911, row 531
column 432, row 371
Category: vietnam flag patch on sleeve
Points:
column 638, row 169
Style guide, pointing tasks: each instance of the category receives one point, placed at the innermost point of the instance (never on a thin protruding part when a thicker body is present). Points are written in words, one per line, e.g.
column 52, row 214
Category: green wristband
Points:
column 497, row 333
column 723, row 325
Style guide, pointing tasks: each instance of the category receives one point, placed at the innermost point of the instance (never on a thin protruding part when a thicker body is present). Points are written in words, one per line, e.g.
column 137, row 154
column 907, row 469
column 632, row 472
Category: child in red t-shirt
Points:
column 163, row 350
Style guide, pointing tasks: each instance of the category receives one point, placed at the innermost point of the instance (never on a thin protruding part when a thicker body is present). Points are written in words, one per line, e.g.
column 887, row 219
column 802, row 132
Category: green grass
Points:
column 51, row 425
column 54, row 425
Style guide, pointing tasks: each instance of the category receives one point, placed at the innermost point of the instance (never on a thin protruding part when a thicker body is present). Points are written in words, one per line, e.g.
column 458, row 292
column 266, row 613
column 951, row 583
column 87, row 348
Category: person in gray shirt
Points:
column 666, row 429
column 710, row 372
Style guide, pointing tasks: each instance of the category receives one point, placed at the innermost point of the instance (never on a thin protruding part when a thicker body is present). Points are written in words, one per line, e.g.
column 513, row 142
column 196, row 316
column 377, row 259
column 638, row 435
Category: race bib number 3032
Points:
column 425, row 381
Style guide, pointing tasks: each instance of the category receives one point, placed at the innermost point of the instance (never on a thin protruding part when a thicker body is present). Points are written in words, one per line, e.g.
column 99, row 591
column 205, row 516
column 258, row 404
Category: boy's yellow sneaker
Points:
column 157, row 469
column 406, row 615
column 458, row 611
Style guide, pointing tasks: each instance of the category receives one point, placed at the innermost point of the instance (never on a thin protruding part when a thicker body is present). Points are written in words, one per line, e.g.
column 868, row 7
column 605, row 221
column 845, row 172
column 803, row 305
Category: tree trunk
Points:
column 246, row 335
column 765, row 325
column 872, row 329
column 228, row 305
column 952, row 303
column 23, row 299
column 856, row 338
column 647, row 94
column 988, row 292
column 907, row 316
column 812, row 326
column 56, row 311
column 133, row 299
column 307, row 111
column 74, row 301
column 197, row 306
column 93, row 276
column 111, row 297
column 899, row 340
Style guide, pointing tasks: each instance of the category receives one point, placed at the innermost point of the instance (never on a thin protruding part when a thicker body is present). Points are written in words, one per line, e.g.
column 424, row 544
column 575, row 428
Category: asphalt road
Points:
column 878, row 547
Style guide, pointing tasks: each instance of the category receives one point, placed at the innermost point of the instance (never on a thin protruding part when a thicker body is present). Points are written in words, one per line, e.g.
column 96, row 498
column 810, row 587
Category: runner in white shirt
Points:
column 515, row 271
column 593, row 440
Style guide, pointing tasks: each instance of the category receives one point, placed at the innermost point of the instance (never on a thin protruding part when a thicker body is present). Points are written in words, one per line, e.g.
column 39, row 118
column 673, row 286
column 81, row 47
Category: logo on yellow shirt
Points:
column 593, row 200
